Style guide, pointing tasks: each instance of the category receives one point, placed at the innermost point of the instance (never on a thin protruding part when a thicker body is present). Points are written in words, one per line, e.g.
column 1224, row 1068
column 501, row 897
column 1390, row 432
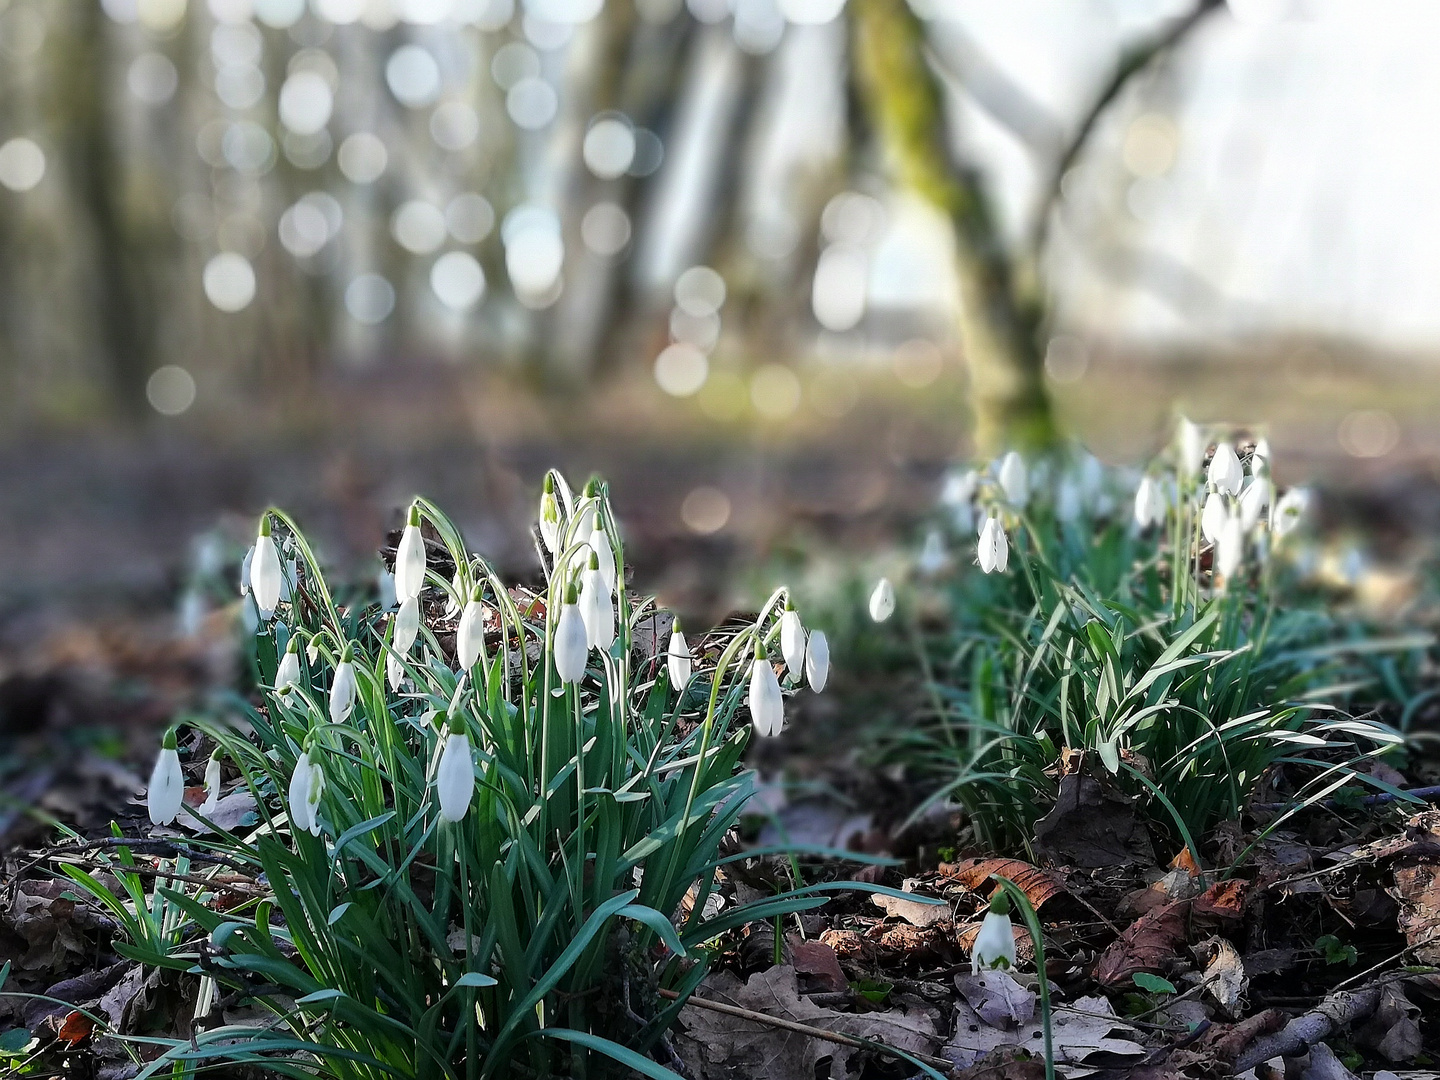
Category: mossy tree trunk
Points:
column 1000, row 310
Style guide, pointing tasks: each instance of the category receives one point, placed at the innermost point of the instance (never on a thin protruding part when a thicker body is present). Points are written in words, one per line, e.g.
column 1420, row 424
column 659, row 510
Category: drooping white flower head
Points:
column 1212, row 518
column 792, row 642
column 995, row 943
column 1260, row 457
column 410, row 559
column 1255, row 500
column 933, row 555
column 307, row 783
column 550, row 517
column 470, row 638
column 678, row 658
column 1149, row 503
column 597, row 610
column 993, row 553
column 572, row 642
column 287, row 674
column 1226, row 473
column 455, row 775
column 407, row 626
column 212, row 785
column 245, row 570
column 1192, row 444
column 394, row 671
column 266, row 577
column 604, row 557
column 1069, row 500
column 959, row 494
column 455, row 596
column 1230, row 546
column 167, row 784
column 817, row 660
column 882, row 600
column 767, row 704
column 1289, row 511
column 343, row 689
column 1014, row 479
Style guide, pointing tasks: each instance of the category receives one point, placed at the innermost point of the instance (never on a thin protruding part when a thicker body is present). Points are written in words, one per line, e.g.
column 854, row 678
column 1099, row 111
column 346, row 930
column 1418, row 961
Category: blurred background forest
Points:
column 770, row 265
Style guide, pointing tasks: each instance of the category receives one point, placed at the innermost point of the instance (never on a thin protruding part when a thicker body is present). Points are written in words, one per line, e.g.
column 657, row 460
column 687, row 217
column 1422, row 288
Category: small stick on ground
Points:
column 806, row 1029
column 1306, row 1030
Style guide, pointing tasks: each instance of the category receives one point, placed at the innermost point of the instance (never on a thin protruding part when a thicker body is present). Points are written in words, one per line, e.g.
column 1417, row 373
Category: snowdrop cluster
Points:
column 327, row 678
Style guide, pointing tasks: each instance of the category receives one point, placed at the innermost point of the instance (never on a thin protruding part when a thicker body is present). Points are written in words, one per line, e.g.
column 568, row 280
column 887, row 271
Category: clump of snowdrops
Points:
column 489, row 821
column 1145, row 617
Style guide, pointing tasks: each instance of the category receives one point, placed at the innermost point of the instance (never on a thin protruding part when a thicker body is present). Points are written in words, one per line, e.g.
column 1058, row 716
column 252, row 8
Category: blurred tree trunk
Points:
column 86, row 132
column 1000, row 314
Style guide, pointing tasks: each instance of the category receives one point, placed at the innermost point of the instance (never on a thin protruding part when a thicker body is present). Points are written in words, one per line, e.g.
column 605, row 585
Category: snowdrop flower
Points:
column 455, row 775
column 817, row 660
column 212, row 785
column 792, row 642
column 932, row 554
column 167, row 784
column 1260, row 457
column 385, row 589
column 596, row 609
column 407, row 626
column 1149, row 503
column 995, row 943
column 572, row 643
column 342, row 690
column 605, row 557
column 1192, row 448
column 245, row 570
column 287, row 675
column 1254, row 500
column 959, row 494
column 1230, row 546
column 1289, row 511
column 1212, row 518
column 454, row 598
column 994, row 549
column 1068, row 500
column 1092, row 478
column 677, row 657
column 767, row 706
column 882, row 600
column 1014, row 480
column 1225, row 472
column 410, row 559
column 394, row 671
column 266, row 577
column 550, row 517
column 307, row 783
column 470, row 638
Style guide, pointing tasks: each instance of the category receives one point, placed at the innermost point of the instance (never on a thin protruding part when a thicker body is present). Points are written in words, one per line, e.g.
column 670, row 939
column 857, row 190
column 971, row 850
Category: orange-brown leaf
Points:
column 1037, row 885
column 1150, row 941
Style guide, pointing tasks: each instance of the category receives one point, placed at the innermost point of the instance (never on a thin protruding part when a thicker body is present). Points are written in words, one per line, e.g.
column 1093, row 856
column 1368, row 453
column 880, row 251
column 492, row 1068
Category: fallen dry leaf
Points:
column 1150, row 941
column 715, row 1046
column 1087, row 1033
column 1418, row 890
column 997, row 998
column 1037, row 885
column 1005, row 1065
column 1224, row 901
column 1394, row 1030
column 1225, row 979
column 1092, row 826
column 916, row 912
column 819, row 962
column 75, row 1028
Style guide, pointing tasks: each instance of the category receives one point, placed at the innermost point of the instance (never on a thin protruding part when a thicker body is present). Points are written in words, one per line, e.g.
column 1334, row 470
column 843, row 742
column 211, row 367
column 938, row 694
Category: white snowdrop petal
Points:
column 792, row 644
column 882, row 601
column 817, row 660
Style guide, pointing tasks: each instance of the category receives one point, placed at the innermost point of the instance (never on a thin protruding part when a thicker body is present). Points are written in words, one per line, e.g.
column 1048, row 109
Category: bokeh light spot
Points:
column 775, row 391
column 22, row 164
column 605, row 229
column 413, row 76
column 306, row 102
column 170, row 390
column 1066, row 359
column 609, row 147
column 918, row 363
column 363, row 158
column 531, row 103
column 705, row 510
column 369, row 299
column 469, row 217
column 457, row 280
column 700, row 291
column 681, row 369
column 229, row 281
column 152, row 78
column 1369, row 433
column 418, row 227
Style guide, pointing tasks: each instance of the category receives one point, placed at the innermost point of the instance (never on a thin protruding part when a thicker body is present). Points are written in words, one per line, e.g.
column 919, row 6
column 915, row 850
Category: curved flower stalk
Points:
column 410, row 559
column 167, row 784
column 678, row 658
column 882, row 600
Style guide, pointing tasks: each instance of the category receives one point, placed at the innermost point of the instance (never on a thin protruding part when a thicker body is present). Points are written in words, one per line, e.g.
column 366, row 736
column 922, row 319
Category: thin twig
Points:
column 245, row 885
column 806, row 1029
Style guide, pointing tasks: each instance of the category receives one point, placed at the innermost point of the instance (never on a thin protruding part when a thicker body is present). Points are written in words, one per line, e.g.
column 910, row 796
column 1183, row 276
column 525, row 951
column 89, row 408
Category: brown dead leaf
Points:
column 819, row 962
column 1185, row 861
column 1223, row 901
column 1149, row 942
column 1005, row 1065
column 1418, row 890
column 1093, row 825
column 1394, row 1030
column 1037, row 885
column 715, row 1046
column 1224, row 975
column 75, row 1028
column 1085, row 1033
column 997, row 998
column 916, row 912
